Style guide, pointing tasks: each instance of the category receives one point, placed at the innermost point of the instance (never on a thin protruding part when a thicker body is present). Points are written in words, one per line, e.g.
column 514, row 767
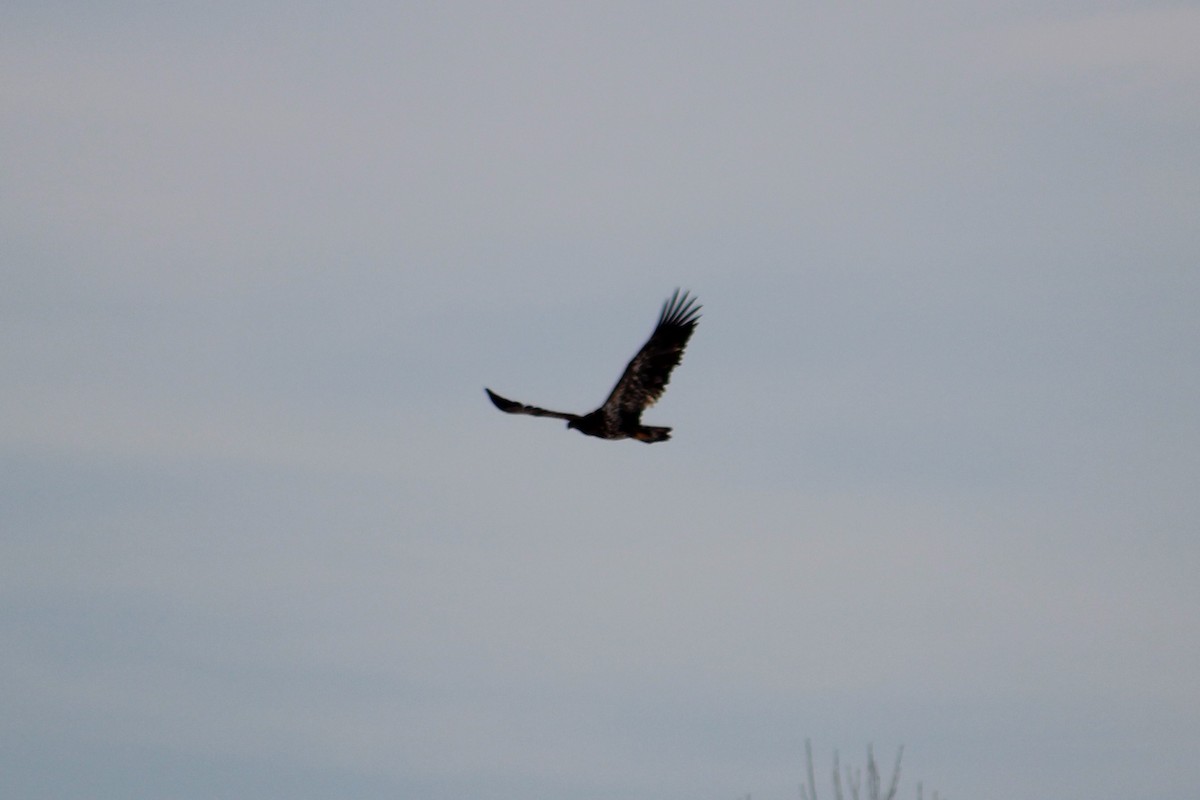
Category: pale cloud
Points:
column 1160, row 42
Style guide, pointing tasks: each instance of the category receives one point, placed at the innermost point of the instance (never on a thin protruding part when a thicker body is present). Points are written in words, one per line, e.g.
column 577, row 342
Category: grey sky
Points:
column 933, row 478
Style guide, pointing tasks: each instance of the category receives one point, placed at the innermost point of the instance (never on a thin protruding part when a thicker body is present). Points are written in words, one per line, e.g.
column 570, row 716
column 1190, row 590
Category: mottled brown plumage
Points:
column 643, row 382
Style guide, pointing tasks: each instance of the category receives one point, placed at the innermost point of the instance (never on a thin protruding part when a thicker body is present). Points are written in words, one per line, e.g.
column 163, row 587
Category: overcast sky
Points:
column 935, row 475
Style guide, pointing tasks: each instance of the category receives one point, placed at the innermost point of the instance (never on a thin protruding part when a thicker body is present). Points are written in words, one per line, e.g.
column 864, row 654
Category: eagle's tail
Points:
column 650, row 434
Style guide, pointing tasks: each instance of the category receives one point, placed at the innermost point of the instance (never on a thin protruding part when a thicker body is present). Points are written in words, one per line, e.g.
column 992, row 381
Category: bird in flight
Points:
column 643, row 382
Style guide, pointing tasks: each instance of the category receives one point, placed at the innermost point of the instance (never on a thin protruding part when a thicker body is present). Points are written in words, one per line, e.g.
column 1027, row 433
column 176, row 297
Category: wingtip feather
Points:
column 680, row 309
column 502, row 403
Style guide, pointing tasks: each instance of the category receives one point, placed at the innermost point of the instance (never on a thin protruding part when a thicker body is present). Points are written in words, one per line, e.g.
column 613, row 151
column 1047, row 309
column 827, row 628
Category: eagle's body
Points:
column 643, row 382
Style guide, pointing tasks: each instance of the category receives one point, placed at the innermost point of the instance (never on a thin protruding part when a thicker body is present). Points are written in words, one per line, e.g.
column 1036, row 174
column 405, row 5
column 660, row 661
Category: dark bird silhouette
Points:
column 641, row 385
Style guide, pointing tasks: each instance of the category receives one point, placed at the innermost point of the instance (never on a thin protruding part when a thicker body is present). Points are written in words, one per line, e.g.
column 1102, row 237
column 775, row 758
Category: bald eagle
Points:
column 641, row 385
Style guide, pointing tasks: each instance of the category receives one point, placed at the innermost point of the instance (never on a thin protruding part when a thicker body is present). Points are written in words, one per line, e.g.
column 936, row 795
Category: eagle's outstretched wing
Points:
column 513, row 407
column 646, row 377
